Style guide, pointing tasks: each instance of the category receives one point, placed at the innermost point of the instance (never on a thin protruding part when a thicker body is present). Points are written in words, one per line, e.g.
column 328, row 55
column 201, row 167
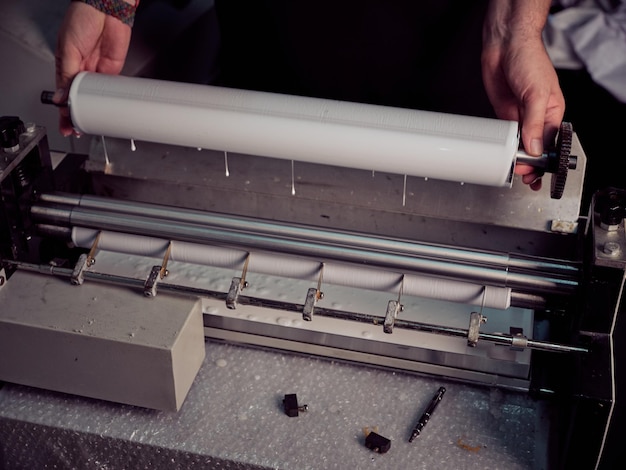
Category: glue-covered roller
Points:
column 276, row 264
column 369, row 137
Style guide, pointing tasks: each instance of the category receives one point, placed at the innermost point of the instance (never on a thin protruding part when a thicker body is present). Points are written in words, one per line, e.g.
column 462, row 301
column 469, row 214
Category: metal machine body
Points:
column 355, row 242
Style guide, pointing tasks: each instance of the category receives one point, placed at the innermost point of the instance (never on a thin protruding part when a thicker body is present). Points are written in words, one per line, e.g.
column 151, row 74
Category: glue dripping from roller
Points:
column 104, row 150
column 404, row 192
column 133, row 147
column 226, row 170
column 328, row 132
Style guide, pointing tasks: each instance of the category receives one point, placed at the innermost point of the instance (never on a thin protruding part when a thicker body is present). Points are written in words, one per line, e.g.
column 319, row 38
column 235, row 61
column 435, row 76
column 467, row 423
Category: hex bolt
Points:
column 611, row 248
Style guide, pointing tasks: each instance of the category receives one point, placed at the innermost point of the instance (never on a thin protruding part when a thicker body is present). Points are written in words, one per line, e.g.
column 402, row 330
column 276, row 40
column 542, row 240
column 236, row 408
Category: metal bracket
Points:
column 78, row 274
column 394, row 307
column 237, row 285
column 157, row 273
column 150, row 286
column 519, row 342
column 85, row 261
column 476, row 319
column 91, row 257
column 313, row 295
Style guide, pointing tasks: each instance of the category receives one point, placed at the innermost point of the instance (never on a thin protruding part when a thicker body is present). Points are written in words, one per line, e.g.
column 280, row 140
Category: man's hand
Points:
column 89, row 40
column 519, row 77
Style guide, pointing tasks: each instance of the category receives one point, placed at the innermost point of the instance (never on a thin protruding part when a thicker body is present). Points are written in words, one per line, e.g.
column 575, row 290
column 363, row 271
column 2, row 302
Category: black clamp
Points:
column 290, row 404
column 377, row 443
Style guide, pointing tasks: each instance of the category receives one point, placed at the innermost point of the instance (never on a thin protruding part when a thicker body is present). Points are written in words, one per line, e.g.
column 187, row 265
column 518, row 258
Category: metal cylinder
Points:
column 526, row 275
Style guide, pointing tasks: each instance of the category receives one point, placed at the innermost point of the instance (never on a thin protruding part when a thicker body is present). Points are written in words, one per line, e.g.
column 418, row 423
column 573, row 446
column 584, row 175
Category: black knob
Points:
column 10, row 129
column 612, row 207
column 612, row 215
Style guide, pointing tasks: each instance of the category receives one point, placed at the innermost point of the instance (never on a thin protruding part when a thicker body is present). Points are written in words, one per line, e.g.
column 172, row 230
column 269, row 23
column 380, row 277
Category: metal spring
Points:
column 21, row 176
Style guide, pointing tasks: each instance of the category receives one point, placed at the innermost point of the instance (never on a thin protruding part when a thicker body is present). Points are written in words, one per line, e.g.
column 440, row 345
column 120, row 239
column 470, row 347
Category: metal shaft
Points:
column 496, row 338
column 527, row 275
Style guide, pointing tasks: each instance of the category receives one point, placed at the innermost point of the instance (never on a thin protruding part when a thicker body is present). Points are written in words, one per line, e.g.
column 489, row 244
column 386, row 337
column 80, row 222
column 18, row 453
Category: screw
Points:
column 611, row 248
column 2, row 281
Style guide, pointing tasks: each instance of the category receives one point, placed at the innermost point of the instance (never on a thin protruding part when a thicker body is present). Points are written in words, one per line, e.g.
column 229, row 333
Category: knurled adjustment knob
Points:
column 11, row 127
column 611, row 204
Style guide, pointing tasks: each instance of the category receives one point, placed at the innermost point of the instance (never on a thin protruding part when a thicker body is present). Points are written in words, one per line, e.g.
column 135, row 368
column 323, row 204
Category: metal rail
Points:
column 495, row 338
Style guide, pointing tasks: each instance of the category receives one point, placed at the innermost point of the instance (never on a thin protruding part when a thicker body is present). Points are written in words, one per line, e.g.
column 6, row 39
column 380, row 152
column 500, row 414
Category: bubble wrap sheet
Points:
column 233, row 418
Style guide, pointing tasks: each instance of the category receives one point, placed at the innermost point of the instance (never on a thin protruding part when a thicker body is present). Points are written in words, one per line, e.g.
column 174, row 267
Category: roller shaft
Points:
column 525, row 275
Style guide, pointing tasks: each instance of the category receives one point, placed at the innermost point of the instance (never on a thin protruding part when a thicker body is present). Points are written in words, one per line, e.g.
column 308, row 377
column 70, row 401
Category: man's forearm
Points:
column 511, row 20
column 519, row 77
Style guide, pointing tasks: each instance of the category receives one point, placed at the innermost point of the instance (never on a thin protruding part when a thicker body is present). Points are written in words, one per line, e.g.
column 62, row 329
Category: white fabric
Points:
column 591, row 34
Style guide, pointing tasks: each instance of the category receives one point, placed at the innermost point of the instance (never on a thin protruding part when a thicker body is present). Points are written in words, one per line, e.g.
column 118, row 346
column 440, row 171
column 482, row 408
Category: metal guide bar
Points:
column 239, row 224
column 496, row 338
column 525, row 275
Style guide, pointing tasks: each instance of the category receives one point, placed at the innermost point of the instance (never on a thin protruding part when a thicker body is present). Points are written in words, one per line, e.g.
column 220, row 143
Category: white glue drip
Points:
column 404, row 192
column 293, row 182
column 226, row 163
column 133, row 147
column 106, row 154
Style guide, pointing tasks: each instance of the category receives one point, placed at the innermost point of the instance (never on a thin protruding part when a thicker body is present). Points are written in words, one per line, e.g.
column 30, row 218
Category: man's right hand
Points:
column 89, row 40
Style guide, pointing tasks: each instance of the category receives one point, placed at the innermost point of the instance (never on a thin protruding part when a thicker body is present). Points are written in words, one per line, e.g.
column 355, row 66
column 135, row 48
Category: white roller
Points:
column 410, row 142
column 299, row 268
